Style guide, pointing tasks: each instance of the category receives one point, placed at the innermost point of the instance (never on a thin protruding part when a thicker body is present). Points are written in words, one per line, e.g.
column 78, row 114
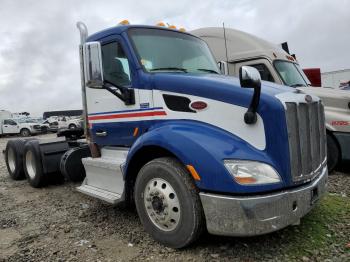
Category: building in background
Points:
column 334, row 78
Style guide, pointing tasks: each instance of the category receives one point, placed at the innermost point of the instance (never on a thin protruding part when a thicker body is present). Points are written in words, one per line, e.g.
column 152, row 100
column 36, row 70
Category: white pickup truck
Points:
column 9, row 126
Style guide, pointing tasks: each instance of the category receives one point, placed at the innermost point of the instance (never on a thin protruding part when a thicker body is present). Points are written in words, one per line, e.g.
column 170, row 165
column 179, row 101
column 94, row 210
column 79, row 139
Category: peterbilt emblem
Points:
column 308, row 98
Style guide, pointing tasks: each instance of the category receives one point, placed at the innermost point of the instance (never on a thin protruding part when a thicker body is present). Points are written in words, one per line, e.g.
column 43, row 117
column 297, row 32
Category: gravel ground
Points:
column 57, row 223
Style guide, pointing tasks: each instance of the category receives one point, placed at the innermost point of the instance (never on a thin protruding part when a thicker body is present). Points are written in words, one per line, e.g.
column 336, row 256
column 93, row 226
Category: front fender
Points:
column 204, row 147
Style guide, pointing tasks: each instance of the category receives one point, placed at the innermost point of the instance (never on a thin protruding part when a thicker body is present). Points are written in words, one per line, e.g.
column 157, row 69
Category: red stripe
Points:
column 127, row 115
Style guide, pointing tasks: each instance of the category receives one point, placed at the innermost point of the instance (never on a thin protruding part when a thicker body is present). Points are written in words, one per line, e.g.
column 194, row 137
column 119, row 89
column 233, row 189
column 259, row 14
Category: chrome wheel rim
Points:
column 30, row 164
column 11, row 159
column 162, row 204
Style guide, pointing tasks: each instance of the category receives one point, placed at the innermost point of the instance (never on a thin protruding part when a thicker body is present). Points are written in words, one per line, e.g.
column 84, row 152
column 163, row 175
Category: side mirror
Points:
column 249, row 77
column 223, row 67
column 93, row 65
column 93, row 72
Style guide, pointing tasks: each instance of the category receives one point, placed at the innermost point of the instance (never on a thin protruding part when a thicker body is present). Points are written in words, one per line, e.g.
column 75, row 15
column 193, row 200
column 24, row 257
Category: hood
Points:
column 217, row 87
column 330, row 97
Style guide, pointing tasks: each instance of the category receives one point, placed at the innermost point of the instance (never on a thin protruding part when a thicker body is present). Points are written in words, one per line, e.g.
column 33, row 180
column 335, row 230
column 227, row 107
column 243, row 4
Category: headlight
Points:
column 251, row 172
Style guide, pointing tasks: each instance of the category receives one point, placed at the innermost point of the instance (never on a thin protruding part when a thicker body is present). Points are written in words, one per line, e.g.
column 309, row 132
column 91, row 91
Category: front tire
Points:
column 168, row 203
column 333, row 153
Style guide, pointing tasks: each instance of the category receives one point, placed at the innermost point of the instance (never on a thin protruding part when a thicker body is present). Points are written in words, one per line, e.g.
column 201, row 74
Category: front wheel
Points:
column 333, row 153
column 168, row 203
column 72, row 126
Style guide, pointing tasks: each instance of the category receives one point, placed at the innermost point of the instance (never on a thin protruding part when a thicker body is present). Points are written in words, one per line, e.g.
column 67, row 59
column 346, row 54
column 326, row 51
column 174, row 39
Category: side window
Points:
column 10, row 122
column 264, row 72
column 115, row 64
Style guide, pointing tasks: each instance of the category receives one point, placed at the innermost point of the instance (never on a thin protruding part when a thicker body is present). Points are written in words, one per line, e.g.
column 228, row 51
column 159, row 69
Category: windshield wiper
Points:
column 169, row 69
column 208, row 70
column 297, row 85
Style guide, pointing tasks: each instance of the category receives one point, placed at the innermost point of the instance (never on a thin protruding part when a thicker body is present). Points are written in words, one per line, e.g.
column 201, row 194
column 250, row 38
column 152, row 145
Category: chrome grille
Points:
column 307, row 139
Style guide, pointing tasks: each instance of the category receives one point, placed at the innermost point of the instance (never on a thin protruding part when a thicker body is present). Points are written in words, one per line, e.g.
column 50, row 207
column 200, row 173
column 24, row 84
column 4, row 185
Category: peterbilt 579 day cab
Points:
column 276, row 65
column 192, row 148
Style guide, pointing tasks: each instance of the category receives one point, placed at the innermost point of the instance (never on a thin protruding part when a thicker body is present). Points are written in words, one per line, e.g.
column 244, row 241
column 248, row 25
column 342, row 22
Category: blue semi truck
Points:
column 193, row 149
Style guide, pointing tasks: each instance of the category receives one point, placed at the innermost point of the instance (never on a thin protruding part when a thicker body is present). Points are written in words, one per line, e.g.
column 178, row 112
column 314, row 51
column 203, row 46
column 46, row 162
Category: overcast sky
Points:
column 39, row 67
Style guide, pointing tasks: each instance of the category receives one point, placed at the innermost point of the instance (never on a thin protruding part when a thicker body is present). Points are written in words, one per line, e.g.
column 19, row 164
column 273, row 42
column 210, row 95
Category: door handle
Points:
column 101, row 133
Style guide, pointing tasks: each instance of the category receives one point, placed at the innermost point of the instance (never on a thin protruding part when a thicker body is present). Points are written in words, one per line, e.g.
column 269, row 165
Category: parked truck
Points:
column 276, row 65
column 191, row 148
column 12, row 126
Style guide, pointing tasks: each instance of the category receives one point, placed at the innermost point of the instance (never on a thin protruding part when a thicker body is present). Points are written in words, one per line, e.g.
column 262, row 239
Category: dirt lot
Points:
column 57, row 223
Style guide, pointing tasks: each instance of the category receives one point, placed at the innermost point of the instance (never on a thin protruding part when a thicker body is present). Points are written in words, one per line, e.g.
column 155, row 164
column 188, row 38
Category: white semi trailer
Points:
column 275, row 65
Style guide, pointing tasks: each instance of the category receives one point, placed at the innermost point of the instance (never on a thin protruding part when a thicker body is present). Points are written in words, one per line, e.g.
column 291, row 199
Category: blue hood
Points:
column 217, row 87
column 228, row 90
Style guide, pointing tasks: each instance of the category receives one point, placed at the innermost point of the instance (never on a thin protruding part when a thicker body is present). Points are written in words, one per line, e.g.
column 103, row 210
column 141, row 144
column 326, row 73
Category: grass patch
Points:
column 324, row 228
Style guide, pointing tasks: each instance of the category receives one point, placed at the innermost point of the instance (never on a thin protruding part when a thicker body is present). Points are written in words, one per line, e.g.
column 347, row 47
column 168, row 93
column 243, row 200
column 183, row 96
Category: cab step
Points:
column 99, row 193
column 104, row 175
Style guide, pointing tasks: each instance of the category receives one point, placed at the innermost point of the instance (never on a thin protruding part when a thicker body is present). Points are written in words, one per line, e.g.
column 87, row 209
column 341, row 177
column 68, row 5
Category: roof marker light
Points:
column 124, row 22
column 182, row 29
column 172, row 27
column 160, row 24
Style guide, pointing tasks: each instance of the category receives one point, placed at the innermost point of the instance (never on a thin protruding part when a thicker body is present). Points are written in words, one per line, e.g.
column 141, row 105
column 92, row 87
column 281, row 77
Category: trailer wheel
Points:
column 25, row 132
column 14, row 158
column 32, row 164
column 168, row 203
column 332, row 153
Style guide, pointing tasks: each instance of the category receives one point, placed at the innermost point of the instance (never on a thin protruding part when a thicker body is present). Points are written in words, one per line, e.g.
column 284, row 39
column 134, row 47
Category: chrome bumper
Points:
column 257, row 215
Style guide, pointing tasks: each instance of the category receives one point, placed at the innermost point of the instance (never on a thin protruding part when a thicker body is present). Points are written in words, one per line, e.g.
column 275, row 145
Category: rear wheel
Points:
column 72, row 126
column 14, row 158
column 333, row 153
column 168, row 203
column 25, row 132
column 32, row 164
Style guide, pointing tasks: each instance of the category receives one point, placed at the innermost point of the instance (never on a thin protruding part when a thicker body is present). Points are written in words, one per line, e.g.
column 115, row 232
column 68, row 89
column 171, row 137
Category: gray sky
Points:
column 39, row 67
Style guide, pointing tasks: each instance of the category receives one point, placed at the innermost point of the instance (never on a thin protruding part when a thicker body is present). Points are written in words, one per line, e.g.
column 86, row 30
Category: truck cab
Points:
column 190, row 147
column 276, row 65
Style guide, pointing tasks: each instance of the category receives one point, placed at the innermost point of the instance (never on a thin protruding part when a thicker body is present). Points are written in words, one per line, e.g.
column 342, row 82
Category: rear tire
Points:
column 72, row 126
column 333, row 153
column 168, row 203
column 25, row 132
column 32, row 164
column 14, row 158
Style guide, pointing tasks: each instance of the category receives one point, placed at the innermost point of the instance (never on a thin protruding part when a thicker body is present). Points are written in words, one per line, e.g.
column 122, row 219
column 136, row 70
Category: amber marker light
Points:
column 136, row 131
column 124, row 22
column 160, row 24
column 193, row 172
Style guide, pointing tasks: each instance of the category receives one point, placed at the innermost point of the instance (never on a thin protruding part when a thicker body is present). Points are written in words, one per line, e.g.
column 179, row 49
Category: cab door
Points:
column 265, row 68
column 10, row 127
column 112, row 122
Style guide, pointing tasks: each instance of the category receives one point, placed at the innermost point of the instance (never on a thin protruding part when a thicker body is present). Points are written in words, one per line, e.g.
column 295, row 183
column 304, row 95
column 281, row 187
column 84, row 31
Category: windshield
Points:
column 291, row 73
column 164, row 50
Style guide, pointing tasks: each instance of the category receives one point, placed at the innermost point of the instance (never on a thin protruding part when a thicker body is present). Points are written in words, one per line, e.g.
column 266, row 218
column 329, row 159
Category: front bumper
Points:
column 257, row 215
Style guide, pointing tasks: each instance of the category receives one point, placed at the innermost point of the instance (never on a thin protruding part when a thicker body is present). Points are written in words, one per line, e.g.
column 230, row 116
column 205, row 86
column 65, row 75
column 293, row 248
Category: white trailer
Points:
column 335, row 78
